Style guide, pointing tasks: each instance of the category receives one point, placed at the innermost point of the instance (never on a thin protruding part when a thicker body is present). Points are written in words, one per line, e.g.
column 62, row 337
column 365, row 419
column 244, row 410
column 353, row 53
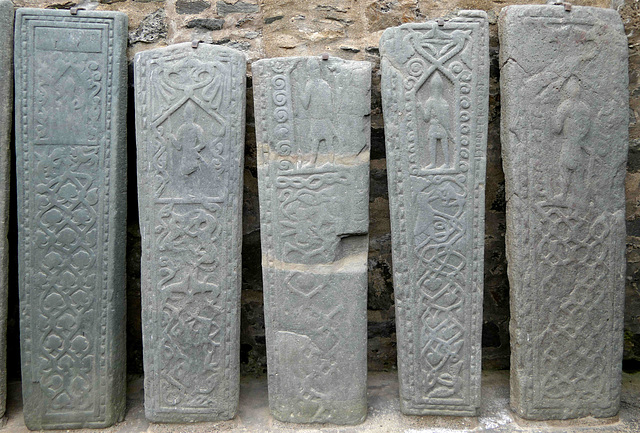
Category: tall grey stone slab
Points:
column 435, row 82
column 71, row 93
column 6, row 111
column 313, row 134
column 564, row 138
column 190, row 117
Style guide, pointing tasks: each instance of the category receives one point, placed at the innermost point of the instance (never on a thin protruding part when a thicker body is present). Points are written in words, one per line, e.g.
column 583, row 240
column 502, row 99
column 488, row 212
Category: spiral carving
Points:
column 281, row 114
column 416, row 67
column 283, row 148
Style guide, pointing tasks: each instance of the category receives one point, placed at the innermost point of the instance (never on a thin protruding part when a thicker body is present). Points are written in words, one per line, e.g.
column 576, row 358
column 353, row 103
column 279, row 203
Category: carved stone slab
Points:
column 312, row 127
column 564, row 147
column 6, row 110
column 71, row 94
column 190, row 117
column 435, row 81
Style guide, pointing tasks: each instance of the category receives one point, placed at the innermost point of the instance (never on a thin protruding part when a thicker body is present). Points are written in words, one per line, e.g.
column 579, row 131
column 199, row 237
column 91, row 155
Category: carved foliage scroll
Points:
column 70, row 170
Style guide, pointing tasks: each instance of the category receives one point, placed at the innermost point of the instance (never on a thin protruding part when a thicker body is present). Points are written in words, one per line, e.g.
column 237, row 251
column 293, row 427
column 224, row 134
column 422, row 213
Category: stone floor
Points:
column 384, row 415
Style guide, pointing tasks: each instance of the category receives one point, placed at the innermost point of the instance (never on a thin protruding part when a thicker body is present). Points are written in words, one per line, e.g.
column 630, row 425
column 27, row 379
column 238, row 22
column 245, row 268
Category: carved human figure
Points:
column 72, row 160
column 434, row 84
column 189, row 142
column 70, row 93
column 317, row 102
column 71, row 100
column 435, row 113
column 572, row 123
column 190, row 117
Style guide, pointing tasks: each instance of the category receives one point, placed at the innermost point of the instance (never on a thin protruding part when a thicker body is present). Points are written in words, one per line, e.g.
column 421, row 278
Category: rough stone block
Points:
column 435, row 82
column 224, row 8
column 71, row 94
column 6, row 110
column 190, row 117
column 564, row 138
column 313, row 133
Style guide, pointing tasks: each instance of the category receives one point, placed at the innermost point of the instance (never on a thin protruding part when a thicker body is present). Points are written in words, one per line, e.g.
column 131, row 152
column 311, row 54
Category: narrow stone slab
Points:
column 190, row 117
column 6, row 111
column 71, row 94
column 564, row 146
column 313, row 132
column 435, row 82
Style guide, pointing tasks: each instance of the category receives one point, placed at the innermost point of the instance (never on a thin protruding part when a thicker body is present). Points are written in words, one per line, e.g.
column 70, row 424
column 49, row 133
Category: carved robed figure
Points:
column 70, row 131
column 564, row 132
column 435, row 82
column 190, row 117
column 312, row 127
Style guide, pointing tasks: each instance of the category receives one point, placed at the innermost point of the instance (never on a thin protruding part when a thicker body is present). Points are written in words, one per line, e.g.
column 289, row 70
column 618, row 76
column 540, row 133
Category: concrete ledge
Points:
column 384, row 414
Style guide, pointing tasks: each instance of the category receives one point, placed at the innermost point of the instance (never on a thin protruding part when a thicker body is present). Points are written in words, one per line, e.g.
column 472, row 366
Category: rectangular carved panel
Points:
column 190, row 117
column 312, row 127
column 564, row 146
column 6, row 110
column 71, row 179
column 435, row 82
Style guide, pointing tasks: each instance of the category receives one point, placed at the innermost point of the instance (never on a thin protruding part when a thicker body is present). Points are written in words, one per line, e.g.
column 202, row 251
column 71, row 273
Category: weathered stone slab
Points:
column 312, row 129
column 564, row 145
column 71, row 94
column 6, row 111
column 190, row 117
column 435, row 81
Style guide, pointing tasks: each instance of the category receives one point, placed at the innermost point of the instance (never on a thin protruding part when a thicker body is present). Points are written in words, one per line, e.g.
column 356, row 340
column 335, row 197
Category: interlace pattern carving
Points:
column 65, row 159
column 435, row 97
column 314, row 217
column 190, row 119
column 67, row 231
column 564, row 153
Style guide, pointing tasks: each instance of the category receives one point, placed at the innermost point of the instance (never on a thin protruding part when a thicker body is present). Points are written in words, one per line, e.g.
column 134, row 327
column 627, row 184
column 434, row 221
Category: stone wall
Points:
column 349, row 29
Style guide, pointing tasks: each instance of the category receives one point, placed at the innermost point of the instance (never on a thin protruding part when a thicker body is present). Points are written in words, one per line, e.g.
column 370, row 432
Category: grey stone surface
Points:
column 6, row 110
column 224, row 8
column 71, row 94
column 384, row 415
column 564, row 138
column 190, row 117
column 189, row 7
column 312, row 130
column 205, row 24
column 435, row 87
